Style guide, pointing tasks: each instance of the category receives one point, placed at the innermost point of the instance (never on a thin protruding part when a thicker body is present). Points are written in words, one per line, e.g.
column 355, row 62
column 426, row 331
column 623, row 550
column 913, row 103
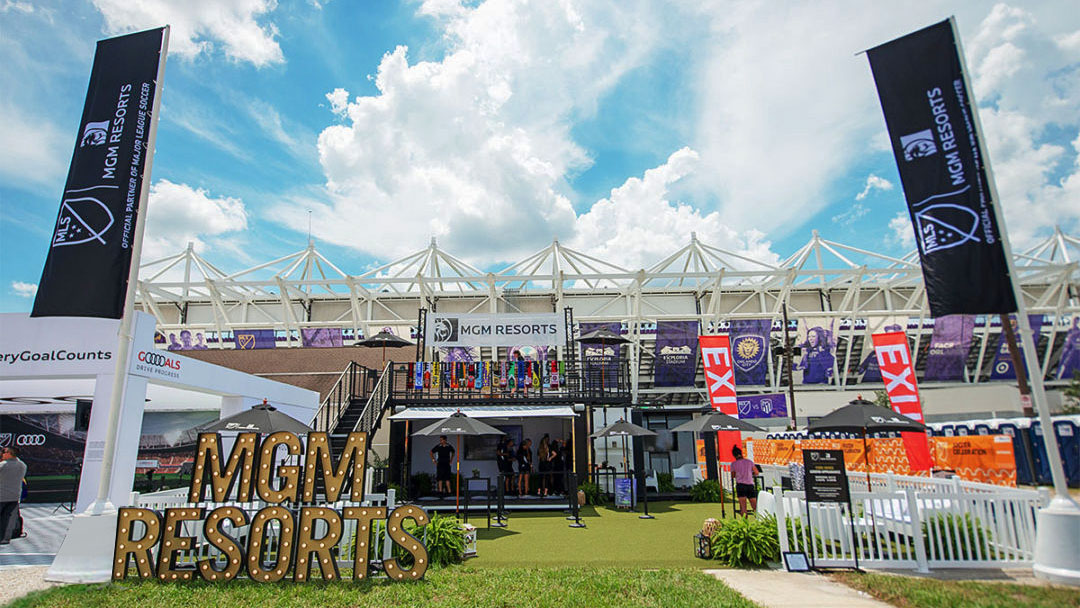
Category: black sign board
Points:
column 826, row 478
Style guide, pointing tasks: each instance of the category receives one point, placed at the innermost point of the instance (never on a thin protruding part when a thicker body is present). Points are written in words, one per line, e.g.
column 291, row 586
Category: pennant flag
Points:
column 898, row 373
column 720, row 381
column 86, row 271
column 927, row 107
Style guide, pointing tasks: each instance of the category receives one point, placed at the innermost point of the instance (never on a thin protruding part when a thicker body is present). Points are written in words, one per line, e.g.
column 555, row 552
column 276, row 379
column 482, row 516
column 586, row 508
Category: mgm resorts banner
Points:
column 510, row 329
column 90, row 252
column 928, row 112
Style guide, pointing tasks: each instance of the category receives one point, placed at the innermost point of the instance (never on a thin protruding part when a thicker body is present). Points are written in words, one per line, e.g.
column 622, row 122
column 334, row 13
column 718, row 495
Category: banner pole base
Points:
column 1057, row 542
column 86, row 553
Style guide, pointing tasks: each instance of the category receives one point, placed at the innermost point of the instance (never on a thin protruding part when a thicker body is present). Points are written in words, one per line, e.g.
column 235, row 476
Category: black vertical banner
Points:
column 86, row 270
column 928, row 112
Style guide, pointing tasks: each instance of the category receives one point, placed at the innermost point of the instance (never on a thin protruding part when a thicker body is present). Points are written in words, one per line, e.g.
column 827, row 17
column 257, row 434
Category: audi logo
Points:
column 158, row 360
column 30, row 440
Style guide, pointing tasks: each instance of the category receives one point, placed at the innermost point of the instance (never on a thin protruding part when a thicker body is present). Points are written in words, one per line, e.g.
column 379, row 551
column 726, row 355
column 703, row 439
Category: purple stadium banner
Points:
column 321, row 337
column 457, row 354
column 1070, row 353
column 251, row 339
column 949, row 346
column 1003, row 365
column 676, row 353
column 595, row 356
column 818, row 352
column 750, row 350
column 188, row 340
column 771, row 405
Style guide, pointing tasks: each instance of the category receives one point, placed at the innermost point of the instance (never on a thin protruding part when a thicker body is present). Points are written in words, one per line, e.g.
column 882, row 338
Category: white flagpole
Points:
column 1056, row 554
column 126, row 334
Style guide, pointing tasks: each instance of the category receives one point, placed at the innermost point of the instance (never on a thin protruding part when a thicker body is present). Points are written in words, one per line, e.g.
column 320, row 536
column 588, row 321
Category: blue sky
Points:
column 618, row 127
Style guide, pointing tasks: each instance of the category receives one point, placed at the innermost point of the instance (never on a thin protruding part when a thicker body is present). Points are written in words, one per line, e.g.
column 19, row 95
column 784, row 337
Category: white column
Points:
column 128, row 431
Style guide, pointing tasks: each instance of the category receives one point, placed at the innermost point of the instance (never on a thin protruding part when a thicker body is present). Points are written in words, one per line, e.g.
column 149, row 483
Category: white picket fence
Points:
column 912, row 522
column 202, row 549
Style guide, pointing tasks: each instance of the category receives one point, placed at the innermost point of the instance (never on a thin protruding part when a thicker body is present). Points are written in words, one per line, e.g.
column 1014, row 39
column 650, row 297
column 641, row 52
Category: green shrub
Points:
column 956, row 537
column 706, row 490
column 593, row 495
column 421, row 484
column 746, row 541
column 665, row 483
column 445, row 539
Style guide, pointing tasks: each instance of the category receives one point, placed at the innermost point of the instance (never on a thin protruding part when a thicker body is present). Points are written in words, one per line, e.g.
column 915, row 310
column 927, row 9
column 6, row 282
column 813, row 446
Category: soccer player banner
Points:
column 818, row 346
column 949, row 346
column 321, row 337
column 928, row 113
column 676, row 353
column 468, row 354
column 86, row 271
column 1070, row 352
column 720, row 382
column 750, row 350
column 188, row 340
column 1003, row 364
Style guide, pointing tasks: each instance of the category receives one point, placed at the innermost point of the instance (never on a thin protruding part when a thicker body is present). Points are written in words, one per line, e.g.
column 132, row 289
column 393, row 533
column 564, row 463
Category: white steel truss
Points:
column 823, row 280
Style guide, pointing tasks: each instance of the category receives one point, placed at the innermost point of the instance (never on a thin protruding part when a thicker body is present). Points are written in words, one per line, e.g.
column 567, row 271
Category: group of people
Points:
column 516, row 464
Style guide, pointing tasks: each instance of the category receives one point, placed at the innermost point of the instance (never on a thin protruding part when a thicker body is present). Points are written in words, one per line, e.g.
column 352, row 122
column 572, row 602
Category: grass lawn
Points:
column 612, row 538
column 455, row 587
column 914, row 592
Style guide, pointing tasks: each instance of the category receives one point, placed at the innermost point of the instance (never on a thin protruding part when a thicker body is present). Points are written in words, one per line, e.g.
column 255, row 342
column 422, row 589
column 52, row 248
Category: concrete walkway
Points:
column 783, row 589
column 45, row 526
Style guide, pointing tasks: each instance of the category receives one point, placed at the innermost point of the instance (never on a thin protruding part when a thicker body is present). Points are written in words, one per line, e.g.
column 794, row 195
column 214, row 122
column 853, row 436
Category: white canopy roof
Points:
column 487, row 411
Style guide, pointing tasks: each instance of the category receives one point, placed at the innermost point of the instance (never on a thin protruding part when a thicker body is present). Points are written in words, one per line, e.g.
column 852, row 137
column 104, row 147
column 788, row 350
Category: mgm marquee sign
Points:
column 282, row 536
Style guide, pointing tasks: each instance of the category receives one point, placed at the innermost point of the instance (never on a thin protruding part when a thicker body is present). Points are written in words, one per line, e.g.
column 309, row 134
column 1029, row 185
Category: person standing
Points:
column 543, row 463
column 524, row 457
column 12, row 472
column 744, row 469
column 442, row 455
column 556, row 467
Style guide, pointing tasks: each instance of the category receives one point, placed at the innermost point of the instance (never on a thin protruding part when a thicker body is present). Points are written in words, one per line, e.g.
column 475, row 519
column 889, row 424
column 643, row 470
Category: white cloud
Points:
column 637, row 225
column 180, row 214
column 902, row 233
column 853, row 214
column 474, row 149
column 33, row 151
column 873, row 182
column 23, row 290
column 240, row 27
column 20, row 7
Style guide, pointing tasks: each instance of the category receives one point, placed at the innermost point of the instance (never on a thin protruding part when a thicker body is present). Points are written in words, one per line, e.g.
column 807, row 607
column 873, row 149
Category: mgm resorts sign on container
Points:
column 292, row 531
column 537, row 329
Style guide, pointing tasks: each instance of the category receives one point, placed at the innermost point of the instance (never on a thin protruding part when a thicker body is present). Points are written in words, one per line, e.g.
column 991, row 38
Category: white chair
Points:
column 686, row 475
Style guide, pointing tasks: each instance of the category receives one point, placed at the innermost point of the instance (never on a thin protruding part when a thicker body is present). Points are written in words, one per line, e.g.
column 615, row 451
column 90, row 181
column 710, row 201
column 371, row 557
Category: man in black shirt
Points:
column 442, row 456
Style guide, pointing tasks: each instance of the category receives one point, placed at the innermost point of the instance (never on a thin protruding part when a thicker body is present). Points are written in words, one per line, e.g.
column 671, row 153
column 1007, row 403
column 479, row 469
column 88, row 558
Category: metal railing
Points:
column 354, row 383
column 376, row 403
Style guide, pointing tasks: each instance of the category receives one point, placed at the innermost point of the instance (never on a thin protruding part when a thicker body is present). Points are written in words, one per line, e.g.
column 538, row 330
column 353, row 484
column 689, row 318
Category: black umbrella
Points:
column 458, row 424
column 263, row 418
column 623, row 429
column 862, row 416
column 715, row 421
column 383, row 339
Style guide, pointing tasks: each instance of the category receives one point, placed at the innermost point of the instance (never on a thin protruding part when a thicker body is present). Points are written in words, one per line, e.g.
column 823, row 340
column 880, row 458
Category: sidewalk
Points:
column 45, row 531
column 783, row 589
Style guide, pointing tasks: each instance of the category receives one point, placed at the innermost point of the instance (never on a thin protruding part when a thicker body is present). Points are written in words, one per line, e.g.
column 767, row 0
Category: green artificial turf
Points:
column 461, row 586
column 611, row 538
column 916, row 592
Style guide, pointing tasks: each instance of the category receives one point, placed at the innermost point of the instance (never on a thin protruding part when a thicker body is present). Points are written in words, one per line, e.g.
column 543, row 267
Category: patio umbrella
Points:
column 263, row 418
column 603, row 337
column 456, row 425
column 862, row 416
column 383, row 339
column 713, row 422
column 623, row 429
